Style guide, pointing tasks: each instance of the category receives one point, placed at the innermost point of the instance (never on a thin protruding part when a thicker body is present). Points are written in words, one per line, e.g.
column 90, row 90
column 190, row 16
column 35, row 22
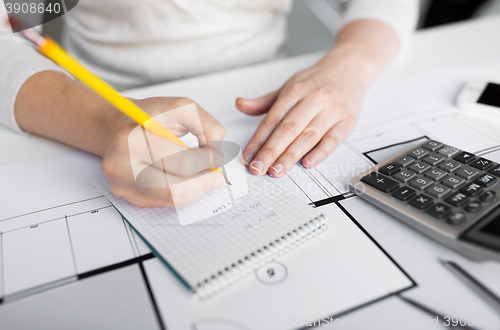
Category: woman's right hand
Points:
column 192, row 170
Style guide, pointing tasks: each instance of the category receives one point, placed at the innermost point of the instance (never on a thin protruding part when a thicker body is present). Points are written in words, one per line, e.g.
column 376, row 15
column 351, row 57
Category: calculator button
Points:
column 456, row 219
column 467, row 172
column 380, row 182
column 418, row 153
column 419, row 167
column 389, row 169
column 435, row 174
column 432, row 145
column 405, row 176
column 457, row 199
column 473, row 207
column 472, row 189
column 464, row 157
column 486, row 180
column 404, row 161
column 453, row 181
column 433, row 159
column 404, row 193
column 420, row 183
column 450, row 165
column 482, row 164
column 439, row 210
column 448, row 151
column 421, row 201
column 488, row 196
column 438, row 190
column 495, row 171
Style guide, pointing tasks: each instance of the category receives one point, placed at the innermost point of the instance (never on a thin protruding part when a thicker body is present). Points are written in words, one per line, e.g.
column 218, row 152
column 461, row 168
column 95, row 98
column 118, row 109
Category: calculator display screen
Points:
column 493, row 227
column 487, row 231
column 491, row 95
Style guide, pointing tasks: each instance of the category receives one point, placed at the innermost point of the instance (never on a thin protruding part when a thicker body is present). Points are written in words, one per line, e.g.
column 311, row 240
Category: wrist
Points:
column 363, row 47
column 350, row 61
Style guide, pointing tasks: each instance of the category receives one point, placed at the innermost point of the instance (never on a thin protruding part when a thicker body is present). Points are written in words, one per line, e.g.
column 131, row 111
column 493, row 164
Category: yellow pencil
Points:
column 56, row 53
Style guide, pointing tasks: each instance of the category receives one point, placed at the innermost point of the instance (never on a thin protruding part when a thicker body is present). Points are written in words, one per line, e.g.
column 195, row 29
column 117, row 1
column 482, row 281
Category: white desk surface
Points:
column 439, row 54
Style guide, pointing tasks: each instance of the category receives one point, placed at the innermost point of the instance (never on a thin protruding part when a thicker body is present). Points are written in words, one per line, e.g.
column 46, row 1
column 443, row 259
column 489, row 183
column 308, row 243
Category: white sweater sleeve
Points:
column 401, row 15
column 18, row 62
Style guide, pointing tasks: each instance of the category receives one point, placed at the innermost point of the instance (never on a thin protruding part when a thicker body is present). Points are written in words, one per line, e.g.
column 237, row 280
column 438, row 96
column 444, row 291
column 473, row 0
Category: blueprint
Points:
column 56, row 230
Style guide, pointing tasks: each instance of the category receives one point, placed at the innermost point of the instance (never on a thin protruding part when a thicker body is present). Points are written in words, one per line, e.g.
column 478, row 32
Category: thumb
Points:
column 258, row 106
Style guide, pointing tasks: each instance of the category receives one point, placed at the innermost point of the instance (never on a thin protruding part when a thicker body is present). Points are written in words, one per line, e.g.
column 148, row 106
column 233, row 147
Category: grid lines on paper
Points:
column 200, row 250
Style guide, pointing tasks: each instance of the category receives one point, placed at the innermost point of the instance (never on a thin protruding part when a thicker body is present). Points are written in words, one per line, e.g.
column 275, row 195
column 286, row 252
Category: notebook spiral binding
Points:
column 242, row 267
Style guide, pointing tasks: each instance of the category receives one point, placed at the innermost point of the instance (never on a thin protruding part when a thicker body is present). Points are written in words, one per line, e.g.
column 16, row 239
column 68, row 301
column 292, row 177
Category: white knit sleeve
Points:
column 401, row 15
column 18, row 62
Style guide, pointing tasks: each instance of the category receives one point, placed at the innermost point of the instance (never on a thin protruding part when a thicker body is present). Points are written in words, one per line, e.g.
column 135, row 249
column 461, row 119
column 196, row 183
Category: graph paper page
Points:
column 203, row 249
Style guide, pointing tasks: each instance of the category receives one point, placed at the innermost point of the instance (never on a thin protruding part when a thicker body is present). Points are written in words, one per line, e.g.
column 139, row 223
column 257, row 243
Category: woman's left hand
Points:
column 314, row 111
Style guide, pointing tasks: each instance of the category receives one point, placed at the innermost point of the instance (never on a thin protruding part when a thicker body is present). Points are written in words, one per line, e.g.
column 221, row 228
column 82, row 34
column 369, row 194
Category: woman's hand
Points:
column 190, row 171
column 317, row 108
column 97, row 127
column 311, row 114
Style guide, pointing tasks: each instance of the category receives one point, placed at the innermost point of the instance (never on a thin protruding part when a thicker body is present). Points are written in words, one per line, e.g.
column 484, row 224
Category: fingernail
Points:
column 277, row 168
column 257, row 165
column 247, row 159
column 310, row 163
column 220, row 161
column 219, row 182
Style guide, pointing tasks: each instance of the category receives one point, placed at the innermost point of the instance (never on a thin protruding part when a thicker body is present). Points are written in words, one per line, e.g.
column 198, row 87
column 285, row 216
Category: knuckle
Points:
column 292, row 156
column 310, row 135
column 320, row 93
column 270, row 122
column 289, row 126
column 253, row 147
column 269, row 151
column 321, row 153
column 332, row 141
column 296, row 88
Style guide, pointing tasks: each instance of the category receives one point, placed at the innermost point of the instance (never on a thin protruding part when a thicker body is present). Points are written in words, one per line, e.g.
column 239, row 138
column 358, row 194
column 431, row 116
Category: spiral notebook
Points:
column 209, row 255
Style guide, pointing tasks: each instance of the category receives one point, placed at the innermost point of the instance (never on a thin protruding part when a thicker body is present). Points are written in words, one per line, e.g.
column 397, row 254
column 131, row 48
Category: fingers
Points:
column 175, row 195
column 283, row 135
column 328, row 143
column 306, row 141
column 185, row 192
column 175, row 181
column 280, row 108
column 203, row 125
column 257, row 106
column 189, row 117
column 212, row 129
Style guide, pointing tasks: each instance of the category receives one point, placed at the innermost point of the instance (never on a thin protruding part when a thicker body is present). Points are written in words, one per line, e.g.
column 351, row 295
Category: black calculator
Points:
column 449, row 194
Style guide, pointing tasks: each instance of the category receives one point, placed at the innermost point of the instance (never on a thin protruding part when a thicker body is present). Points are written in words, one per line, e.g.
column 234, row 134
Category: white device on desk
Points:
column 480, row 97
column 449, row 194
